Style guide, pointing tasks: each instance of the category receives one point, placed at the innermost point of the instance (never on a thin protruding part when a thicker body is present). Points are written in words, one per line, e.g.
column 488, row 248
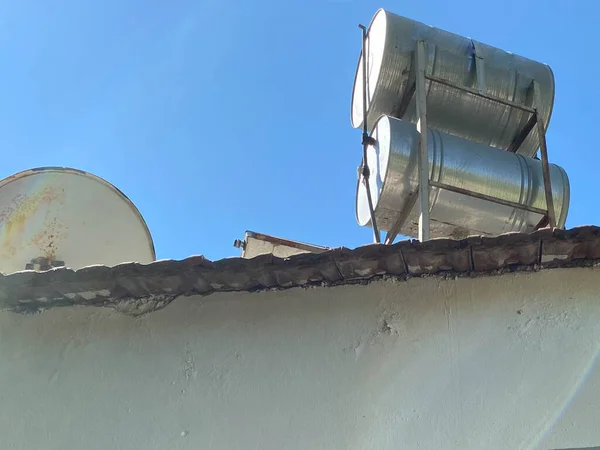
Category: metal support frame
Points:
column 541, row 129
column 417, row 88
column 423, row 158
column 364, row 171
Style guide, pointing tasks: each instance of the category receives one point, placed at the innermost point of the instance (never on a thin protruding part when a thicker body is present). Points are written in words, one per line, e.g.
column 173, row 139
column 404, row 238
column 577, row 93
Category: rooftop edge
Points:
column 137, row 289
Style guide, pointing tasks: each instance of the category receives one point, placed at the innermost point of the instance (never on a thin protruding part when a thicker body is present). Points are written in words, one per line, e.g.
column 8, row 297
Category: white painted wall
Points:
column 489, row 363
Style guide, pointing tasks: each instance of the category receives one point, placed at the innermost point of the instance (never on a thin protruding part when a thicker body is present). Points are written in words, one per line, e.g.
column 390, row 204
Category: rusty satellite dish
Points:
column 55, row 216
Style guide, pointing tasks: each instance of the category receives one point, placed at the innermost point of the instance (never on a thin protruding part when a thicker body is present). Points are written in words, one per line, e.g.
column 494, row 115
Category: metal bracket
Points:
column 520, row 138
column 407, row 95
column 43, row 263
column 238, row 243
column 417, row 81
column 368, row 140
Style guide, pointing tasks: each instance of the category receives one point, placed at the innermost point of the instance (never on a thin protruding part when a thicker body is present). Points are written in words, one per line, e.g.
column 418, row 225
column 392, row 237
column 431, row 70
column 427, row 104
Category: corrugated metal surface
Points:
column 391, row 43
column 458, row 163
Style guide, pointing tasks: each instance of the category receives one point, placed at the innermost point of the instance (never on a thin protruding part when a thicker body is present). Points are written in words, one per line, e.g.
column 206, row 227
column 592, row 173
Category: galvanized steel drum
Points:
column 458, row 163
column 391, row 42
column 57, row 216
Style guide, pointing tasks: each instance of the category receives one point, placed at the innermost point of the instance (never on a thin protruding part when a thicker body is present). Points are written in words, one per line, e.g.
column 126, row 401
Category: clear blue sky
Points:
column 219, row 116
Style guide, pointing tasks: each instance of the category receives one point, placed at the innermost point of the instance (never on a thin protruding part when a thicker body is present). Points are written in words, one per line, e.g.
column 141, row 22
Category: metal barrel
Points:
column 461, row 164
column 391, row 43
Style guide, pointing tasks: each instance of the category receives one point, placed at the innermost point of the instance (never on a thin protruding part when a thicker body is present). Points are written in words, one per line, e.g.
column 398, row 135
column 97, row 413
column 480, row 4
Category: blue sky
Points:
column 219, row 116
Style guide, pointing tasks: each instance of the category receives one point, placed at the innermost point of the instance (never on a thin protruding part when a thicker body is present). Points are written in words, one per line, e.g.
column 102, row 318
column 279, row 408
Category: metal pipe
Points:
column 479, row 94
column 520, row 138
column 487, row 198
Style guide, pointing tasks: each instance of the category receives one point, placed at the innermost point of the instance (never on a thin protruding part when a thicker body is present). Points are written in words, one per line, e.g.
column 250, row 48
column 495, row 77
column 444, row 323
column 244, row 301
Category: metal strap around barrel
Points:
column 479, row 66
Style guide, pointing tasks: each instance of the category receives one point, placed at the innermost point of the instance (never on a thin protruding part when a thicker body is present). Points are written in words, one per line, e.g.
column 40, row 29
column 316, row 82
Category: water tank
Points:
column 57, row 216
column 458, row 163
column 391, row 42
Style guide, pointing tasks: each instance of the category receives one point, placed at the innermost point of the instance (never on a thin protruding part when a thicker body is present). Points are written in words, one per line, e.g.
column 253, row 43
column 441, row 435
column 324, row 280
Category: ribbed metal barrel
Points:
column 462, row 164
column 391, row 44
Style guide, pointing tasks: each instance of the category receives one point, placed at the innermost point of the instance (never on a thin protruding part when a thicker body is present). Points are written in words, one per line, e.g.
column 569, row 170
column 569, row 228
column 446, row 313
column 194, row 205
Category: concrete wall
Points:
column 487, row 363
column 256, row 244
column 256, row 247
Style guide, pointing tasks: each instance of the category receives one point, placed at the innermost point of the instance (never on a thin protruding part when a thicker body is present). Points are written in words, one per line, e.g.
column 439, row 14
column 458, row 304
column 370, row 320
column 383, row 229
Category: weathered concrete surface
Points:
column 137, row 289
column 256, row 244
column 506, row 362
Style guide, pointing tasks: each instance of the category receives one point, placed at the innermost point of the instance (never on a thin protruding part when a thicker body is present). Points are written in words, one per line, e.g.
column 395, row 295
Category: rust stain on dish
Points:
column 23, row 210
column 47, row 239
